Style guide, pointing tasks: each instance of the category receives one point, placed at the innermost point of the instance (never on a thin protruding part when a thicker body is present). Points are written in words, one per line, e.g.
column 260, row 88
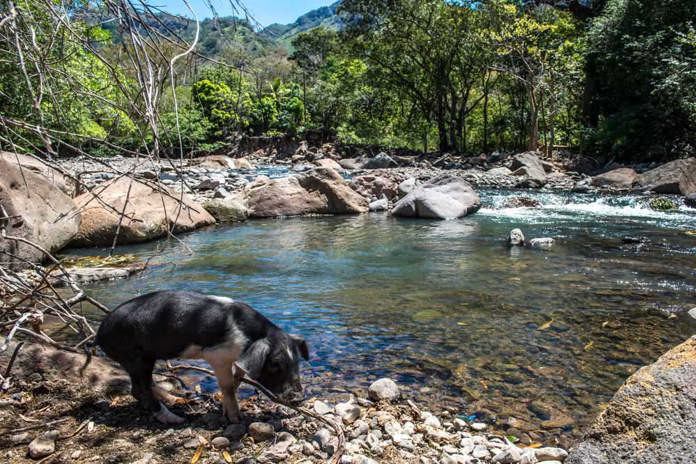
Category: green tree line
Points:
column 614, row 78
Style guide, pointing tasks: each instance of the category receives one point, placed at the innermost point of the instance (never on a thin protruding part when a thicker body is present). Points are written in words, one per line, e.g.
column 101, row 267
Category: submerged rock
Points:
column 544, row 242
column 652, row 417
column 229, row 209
column 447, row 197
column 521, row 202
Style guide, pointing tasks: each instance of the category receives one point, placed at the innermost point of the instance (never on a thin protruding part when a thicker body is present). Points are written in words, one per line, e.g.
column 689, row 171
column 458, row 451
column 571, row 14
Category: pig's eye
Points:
column 274, row 366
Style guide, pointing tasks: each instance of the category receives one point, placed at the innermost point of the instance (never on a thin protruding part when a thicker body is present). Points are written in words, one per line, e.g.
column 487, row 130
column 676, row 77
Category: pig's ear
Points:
column 254, row 358
column 302, row 346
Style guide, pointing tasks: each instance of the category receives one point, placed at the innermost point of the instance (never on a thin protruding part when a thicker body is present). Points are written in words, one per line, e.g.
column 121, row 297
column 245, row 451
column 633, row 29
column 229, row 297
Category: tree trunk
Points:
column 533, row 121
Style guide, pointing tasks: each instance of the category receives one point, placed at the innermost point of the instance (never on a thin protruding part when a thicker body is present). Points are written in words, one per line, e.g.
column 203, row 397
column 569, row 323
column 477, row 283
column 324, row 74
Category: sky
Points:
column 263, row 11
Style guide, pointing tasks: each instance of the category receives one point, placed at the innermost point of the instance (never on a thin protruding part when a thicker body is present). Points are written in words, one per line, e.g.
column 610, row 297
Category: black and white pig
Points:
column 229, row 335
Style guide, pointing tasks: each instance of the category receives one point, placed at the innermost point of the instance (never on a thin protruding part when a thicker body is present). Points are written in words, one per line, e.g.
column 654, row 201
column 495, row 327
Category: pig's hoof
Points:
column 167, row 417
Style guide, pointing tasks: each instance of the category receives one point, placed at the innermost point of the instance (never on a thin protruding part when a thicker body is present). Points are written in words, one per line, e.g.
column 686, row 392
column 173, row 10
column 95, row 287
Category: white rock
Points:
column 456, row 459
column 460, row 424
column 516, row 238
column 550, row 454
column 321, row 408
column 360, row 428
column 403, row 441
column 512, row 455
column 478, row 426
column 480, row 452
column 43, row 445
column 384, row 389
column 432, row 421
column 379, row 205
column 348, row 412
column 692, row 312
column 409, row 428
column 322, row 438
column 549, row 462
column 545, row 242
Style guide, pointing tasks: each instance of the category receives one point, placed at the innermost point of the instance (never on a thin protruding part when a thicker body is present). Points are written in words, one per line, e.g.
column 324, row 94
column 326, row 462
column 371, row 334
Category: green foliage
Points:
column 642, row 77
column 662, row 204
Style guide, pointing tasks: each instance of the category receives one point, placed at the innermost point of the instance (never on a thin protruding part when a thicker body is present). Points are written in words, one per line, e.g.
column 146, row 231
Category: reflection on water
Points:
column 534, row 340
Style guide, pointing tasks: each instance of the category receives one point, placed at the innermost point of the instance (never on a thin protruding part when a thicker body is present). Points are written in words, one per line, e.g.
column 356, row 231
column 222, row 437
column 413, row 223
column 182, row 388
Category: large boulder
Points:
column 33, row 208
column 446, row 197
column 677, row 177
column 528, row 166
column 232, row 208
column 621, row 178
column 381, row 161
column 148, row 213
column 329, row 163
column 52, row 175
column 651, row 419
column 320, row 191
column 371, row 186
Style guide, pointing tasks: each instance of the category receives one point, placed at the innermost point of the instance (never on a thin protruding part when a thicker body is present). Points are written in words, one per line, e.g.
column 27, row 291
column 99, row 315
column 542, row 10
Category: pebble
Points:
column 261, row 431
column 480, row 452
column 322, row 438
column 384, row 389
column 348, row 412
column 43, row 445
column 456, row 459
column 220, row 443
column 146, row 459
column 360, row 428
column 433, row 421
column 321, row 408
column 550, row 454
column 20, row 438
column 512, row 455
column 549, row 462
column 479, row 426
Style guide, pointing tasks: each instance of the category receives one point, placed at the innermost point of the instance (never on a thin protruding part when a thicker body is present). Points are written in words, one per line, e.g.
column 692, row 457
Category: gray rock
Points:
column 379, row 205
column 43, row 445
column 20, row 438
column 501, row 171
column 383, row 389
column 381, row 161
column 261, row 431
column 221, row 193
column 528, row 166
column 692, row 312
column 456, row 459
column 550, row 454
column 516, row 238
column 544, row 243
column 480, row 452
column 407, row 186
column 479, row 426
column 690, row 200
column 447, row 197
column 321, row 408
column 621, row 178
column 651, row 419
column 677, row 177
column 220, row 442
column 348, row 412
column 512, row 455
column 207, row 184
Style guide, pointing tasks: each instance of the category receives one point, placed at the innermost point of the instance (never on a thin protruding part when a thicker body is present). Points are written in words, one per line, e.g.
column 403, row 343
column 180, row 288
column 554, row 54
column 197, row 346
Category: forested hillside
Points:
column 615, row 79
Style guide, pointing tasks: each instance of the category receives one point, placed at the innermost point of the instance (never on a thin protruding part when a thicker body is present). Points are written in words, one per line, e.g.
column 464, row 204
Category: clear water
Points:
column 532, row 340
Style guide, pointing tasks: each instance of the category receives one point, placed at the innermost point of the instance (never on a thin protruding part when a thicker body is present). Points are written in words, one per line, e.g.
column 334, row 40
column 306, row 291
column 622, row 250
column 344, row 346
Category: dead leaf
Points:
column 197, row 455
column 589, row 346
column 545, row 325
column 535, row 444
column 226, row 456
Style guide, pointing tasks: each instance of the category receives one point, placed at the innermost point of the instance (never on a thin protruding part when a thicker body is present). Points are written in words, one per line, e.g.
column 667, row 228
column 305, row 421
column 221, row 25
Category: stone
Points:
column 348, row 412
column 279, row 450
column 379, row 205
column 243, row 163
column 221, row 192
column 478, row 426
column 234, row 431
column 349, row 164
column 407, row 186
column 480, row 452
column 220, row 443
column 261, row 431
column 692, row 313
column 516, row 238
column 231, row 209
column 329, row 163
column 321, row 408
column 511, row 455
column 383, row 389
column 544, row 243
column 320, row 191
column 146, row 459
column 207, row 184
column 432, row 421
column 456, row 459
column 651, row 419
column 446, row 197
column 149, row 214
column 324, row 440
column 381, row 161
column 38, row 210
column 20, row 438
column 215, row 162
column 550, row 454
column 52, row 175
column 620, row 179
column 678, row 177
column 528, row 166
column 371, row 186
column 43, row 445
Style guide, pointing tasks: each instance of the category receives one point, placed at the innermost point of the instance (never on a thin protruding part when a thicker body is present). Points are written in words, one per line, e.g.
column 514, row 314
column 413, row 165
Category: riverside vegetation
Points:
column 430, row 130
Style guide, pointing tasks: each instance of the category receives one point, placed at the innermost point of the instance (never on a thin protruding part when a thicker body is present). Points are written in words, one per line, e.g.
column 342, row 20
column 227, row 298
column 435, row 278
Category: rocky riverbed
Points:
column 51, row 414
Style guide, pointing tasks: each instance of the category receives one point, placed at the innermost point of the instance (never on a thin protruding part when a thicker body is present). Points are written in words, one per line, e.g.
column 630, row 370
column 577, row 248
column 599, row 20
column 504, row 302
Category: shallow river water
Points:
column 532, row 340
